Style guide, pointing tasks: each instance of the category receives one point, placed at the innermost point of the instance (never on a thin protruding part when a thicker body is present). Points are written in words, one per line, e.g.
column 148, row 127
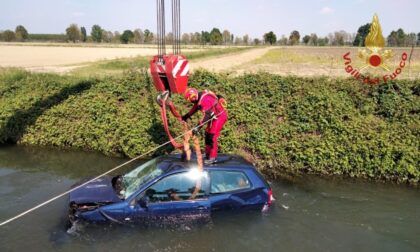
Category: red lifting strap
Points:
column 165, row 121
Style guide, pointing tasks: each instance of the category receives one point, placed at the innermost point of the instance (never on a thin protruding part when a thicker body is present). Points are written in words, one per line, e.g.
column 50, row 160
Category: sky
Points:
column 252, row 17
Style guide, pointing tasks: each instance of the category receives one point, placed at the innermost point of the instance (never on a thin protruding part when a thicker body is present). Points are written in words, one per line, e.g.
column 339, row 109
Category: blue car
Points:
column 167, row 189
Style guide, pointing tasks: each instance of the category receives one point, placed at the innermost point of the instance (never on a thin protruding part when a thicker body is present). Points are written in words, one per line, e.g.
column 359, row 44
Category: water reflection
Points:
column 310, row 214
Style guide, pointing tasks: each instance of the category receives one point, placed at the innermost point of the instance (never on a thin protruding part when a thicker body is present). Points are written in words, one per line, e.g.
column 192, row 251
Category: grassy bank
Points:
column 286, row 125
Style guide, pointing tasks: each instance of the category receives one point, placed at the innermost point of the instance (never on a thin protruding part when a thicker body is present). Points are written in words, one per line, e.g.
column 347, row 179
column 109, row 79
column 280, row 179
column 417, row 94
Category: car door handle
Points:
column 201, row 208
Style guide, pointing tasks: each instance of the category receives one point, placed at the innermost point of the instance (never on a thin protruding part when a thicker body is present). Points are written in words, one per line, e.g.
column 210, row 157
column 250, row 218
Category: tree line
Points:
column 20, row 34
column 74, row 33
column 343, row 38
column 139, row 36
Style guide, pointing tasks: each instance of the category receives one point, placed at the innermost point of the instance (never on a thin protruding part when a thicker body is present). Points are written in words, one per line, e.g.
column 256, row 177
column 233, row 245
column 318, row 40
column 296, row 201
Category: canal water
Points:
column 309, row 214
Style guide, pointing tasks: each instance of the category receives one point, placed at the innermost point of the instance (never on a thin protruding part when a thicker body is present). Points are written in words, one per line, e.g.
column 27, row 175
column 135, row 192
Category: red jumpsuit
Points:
column 210, row 105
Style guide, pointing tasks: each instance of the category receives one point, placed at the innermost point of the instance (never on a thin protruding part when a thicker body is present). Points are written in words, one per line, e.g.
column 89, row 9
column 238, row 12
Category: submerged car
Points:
column 168, row 188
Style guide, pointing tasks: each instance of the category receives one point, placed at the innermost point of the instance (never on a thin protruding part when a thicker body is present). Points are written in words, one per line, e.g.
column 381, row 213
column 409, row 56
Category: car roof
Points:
column 173, row 162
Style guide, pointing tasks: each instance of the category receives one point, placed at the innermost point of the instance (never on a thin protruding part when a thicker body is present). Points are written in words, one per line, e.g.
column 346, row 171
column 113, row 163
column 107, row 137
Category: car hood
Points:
column 97, row 191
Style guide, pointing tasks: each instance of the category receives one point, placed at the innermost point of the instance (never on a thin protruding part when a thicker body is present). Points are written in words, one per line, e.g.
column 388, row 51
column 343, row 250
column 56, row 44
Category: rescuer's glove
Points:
column 185, row 117
column 196, row 131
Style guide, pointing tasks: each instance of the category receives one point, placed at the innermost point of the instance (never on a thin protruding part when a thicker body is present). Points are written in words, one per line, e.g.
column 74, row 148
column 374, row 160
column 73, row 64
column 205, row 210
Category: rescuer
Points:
column 215, row 116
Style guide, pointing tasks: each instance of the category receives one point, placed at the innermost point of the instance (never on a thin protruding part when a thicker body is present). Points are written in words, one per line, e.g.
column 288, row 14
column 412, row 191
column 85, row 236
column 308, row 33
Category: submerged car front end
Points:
column 104, row 199
column 85, row 202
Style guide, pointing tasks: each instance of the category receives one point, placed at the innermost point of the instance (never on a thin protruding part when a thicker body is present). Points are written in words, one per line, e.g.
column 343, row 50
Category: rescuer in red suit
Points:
column 215, row 116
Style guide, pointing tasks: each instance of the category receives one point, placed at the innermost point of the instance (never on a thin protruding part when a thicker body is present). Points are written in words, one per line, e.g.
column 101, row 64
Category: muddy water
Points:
column 310, row 214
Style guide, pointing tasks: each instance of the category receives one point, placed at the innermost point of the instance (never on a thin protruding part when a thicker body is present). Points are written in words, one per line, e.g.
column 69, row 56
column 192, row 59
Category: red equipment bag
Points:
column 170, row 73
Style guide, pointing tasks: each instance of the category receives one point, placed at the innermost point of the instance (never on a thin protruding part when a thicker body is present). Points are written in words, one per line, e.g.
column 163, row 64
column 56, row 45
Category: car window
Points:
column 137, row 177
column 180, row 186
column 226, row 181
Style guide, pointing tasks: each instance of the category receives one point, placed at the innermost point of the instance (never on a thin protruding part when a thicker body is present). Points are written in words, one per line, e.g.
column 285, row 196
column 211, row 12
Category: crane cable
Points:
column 176, row 26
column 106, row 173
column 161, row 28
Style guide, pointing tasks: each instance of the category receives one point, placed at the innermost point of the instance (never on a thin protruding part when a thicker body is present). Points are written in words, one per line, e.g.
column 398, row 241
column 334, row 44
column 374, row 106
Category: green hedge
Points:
column 48, row 37
column 286, row 125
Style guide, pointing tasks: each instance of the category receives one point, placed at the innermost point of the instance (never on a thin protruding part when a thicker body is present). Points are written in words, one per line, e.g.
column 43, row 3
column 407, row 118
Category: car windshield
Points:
column 139, row 176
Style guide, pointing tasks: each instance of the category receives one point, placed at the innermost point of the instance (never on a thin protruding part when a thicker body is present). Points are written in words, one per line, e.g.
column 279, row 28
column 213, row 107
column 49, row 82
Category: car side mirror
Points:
column 143, row 201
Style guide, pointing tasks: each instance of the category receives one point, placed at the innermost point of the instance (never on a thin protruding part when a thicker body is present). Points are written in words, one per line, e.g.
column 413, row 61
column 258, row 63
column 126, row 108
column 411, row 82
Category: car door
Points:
column 176, row 198
column 231, row 189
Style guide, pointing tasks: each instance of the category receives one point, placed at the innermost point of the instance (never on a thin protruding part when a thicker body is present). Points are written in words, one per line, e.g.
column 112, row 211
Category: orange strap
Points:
column 165, row 123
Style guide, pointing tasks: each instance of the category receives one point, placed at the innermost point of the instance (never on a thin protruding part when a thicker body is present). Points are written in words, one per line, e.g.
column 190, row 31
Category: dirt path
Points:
column 228, row 62
column 61, row 59
column 35, row 56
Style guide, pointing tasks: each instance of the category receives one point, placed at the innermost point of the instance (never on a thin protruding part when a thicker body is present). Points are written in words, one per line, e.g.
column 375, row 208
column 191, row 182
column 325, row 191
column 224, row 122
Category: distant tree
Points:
column 401, row 37
column 238, row 41
column 361, row 35
column 330, row 37
column 418, row 39
column 96, row 33
column 340, row 38
column 190, row 38
column 104, row 36
column 205, row 37
column 306, row 39
column 127, row 37
column 21, row 33
column 9, row 36
column 283, row 40
column 116, row 37
column 148, row 36
column 216, row 37
column 138, row 36
column 351, row 38
column 392, row 39
column 226, row 37
column 314, row 39
column 169, row 37
column 107, row 36
column 397, row 38
column 294, row 37
column 270, row 38
column 245, row 39
column 323, row 41
column 83, row 33
column 73, row 33
column 185, row 39
column 196, row 38
column 257, row 41
column 411, row 39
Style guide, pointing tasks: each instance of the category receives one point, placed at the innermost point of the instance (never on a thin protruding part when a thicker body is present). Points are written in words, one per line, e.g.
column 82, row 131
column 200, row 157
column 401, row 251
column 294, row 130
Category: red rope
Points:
column 174, row 111
column 165, row 122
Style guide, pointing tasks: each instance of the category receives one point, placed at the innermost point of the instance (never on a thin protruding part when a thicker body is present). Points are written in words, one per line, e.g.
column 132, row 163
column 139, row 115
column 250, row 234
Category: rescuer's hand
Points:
column 185, row 117
column 195, row 131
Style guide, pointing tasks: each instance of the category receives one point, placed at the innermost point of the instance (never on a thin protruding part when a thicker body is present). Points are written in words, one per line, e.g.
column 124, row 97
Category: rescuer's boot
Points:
column 209, row 161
